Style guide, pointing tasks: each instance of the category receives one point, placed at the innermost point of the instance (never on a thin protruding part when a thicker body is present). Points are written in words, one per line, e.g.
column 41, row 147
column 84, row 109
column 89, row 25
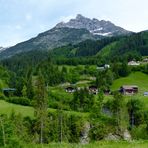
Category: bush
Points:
column 139, row 132
column 2, row 97
column 98, row 131
column 19, row 100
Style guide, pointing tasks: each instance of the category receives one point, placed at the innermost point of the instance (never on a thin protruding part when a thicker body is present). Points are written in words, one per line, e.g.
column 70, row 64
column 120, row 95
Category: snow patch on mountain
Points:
column 104, row 34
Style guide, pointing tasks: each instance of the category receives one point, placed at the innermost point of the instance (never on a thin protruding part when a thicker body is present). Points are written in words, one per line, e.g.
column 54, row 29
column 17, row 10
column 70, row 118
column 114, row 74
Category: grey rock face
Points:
column 126, row 135
column 112, row 137
column 2, row 49
column 84, row 139
column 48, row 40
column 104, row 28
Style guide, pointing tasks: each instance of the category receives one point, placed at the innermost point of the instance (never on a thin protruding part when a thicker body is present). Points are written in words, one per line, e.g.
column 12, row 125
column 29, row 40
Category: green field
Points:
column 138, row 78
column 101, row 144
column 7, row 108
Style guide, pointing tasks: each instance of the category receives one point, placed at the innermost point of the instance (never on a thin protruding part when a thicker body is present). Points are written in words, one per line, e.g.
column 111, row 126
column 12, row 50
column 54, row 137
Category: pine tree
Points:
column 120, row 112
column 24, row 91
column 41, row 105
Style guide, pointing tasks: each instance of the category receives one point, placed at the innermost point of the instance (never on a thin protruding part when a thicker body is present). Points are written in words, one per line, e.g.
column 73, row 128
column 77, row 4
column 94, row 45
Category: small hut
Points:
column 8, row 91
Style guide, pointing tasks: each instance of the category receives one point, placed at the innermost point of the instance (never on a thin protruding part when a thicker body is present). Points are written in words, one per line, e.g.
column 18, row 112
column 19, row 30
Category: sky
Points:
column 21, row 20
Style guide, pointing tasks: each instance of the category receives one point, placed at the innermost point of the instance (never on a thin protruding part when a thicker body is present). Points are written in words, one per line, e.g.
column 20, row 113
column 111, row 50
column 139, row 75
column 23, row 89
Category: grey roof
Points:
column 9, row 89
column 145, row 93
column 129, row 86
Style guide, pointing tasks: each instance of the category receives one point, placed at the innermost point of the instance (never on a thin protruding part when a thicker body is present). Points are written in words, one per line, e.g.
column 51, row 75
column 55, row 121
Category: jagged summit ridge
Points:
column 102, row 27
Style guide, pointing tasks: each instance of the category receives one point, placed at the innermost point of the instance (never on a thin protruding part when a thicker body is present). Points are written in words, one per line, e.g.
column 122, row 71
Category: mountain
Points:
column 48, row 40
column 104, row 28
column 113, row 49
column 73, row 32
column 2, row 49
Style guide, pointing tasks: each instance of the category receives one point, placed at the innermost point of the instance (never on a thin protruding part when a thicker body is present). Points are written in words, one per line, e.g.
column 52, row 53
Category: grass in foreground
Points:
column 101, row 144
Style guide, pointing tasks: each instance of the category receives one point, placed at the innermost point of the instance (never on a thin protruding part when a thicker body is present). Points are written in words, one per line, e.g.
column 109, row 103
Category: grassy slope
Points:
column 2, row 84
column 137, row 78
column 105, row 52
column 7, row 108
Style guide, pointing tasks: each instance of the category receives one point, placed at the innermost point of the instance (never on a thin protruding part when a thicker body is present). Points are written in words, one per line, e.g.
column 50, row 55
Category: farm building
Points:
column 93, row 90
column 70, row 89
column 129, row 89
column 107, row 92
column 145, row 93
column 106, row 66
column 133, row 63
column 8, row 91
column 145, row 60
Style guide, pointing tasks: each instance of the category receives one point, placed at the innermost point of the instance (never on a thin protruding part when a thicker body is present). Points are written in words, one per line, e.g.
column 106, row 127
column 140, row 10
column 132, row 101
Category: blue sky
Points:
column 22, row 19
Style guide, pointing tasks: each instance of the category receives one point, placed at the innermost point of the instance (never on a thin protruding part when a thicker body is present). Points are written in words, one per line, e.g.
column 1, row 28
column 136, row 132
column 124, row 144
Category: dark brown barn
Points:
column 129, row 89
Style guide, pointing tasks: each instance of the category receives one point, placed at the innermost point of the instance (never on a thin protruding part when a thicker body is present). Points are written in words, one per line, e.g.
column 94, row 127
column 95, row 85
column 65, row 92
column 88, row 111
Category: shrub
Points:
column 2, row 97
column 19, row 100
column 139, row 132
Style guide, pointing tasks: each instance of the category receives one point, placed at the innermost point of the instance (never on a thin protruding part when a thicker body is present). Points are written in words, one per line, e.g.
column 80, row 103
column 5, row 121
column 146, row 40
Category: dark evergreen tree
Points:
column 40, row 106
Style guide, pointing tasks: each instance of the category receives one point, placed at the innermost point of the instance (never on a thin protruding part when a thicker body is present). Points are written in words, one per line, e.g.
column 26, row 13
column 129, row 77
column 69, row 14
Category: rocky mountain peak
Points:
column 79, row 17
column 94, row 26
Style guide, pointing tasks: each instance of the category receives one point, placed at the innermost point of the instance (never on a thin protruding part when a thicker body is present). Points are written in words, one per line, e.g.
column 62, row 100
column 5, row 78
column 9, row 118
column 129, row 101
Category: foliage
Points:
column 19, row 100
column 82, row 100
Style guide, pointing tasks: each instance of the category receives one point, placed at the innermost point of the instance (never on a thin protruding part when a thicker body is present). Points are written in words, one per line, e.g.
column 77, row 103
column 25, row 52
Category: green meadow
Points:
column 137, row 78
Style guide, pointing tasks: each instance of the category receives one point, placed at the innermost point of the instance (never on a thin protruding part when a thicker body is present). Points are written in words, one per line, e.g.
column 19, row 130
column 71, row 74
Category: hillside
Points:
column 50, row 39
column 137, row 78
column 73, row 32
column 133, row 46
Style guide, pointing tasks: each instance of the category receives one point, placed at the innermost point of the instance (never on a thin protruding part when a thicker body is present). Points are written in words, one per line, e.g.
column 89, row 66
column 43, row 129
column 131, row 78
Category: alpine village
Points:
column 83, row 83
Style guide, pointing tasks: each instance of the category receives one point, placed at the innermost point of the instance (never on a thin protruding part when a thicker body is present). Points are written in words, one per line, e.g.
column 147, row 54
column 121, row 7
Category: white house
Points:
column 133, row 63
column 145, row 94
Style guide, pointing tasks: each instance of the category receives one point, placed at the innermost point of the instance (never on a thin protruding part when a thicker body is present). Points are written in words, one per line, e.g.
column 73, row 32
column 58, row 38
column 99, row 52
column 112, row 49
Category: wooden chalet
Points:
column 70, row 89
column 129, row 89
column 93, row 90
